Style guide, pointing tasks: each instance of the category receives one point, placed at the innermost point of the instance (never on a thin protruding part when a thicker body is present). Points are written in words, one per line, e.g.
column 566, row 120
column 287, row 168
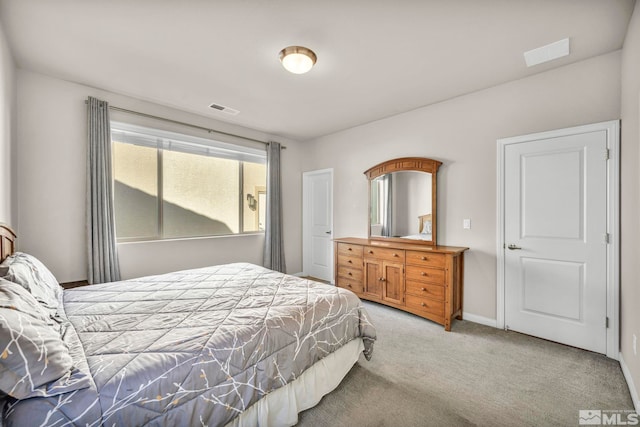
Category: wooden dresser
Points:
column 423, row 280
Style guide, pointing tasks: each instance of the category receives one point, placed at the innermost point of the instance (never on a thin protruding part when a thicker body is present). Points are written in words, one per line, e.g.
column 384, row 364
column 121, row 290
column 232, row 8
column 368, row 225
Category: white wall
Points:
column 462, row 133
column 7, row 133
column 630, row 192
column 52, row 182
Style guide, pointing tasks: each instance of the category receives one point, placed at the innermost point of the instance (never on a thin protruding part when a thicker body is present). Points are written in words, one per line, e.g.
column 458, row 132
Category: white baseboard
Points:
column 302, row 274
column 480, row 319
column 632, row 387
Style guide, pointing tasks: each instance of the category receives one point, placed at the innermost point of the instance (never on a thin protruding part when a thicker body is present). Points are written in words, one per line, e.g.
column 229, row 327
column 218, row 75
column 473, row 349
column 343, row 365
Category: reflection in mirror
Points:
column 401, row 205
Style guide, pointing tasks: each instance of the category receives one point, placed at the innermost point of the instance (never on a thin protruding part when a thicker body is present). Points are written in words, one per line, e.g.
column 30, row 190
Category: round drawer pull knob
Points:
column 350, row 262
column 424, row 258
column 370, row 252
column 395, row 255
column 349, row 249
column 349, row 285
column 424, row 274
column 423, row 304
column 350, row 274
column 423, row 289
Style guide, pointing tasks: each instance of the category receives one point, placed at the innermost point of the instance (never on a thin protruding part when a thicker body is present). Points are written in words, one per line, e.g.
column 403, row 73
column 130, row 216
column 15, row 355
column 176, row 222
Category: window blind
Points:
column 172, row 141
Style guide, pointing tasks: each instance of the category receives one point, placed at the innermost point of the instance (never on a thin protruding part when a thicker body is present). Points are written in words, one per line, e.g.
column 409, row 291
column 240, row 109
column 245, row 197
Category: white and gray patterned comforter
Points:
column 194, row 347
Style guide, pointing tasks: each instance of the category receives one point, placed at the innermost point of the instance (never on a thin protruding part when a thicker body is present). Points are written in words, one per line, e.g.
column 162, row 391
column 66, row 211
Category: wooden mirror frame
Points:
column 416, row 164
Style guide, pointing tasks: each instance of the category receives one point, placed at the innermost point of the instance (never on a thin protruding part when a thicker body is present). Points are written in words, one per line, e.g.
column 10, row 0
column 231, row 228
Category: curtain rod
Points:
column 177, row 122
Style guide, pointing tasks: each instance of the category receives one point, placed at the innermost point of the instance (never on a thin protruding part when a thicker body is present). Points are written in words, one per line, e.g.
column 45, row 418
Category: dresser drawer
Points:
column 351, row 262
column 426, row 259
column 384, row 253
column 425, row 290
column 349, row 250
column 425, row 304
column 425, row 274
column 352, row 285
column 350, row 273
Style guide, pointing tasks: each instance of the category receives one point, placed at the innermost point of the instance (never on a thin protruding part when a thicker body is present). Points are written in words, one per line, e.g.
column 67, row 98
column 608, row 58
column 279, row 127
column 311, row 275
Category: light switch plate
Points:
column 466, row 224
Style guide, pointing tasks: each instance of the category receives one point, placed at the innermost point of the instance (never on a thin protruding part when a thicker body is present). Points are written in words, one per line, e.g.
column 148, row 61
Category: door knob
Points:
column 513, row 247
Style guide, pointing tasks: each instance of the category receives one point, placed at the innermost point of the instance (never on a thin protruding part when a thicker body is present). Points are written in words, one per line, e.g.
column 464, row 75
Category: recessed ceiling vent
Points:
column 224, row 109
column 547, row 53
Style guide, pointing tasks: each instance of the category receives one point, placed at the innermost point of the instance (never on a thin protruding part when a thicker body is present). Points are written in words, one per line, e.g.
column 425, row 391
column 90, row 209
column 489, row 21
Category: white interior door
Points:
column 555, row 238
column 318, row 224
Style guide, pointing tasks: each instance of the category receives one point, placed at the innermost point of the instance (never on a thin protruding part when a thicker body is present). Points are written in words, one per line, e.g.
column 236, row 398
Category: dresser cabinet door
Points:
column 373, row 278
column 393, row 282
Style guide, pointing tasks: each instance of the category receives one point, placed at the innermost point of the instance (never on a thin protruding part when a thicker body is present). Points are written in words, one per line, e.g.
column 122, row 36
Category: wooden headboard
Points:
column 7, row 241
column 423, row 219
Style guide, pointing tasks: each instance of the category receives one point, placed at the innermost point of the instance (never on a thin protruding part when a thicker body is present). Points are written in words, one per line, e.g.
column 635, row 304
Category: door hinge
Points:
column 606, row 237
column 607, row 154
column 606, row 322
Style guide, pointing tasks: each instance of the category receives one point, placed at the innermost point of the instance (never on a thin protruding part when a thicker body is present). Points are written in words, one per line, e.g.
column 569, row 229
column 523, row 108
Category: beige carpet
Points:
column 473, row 375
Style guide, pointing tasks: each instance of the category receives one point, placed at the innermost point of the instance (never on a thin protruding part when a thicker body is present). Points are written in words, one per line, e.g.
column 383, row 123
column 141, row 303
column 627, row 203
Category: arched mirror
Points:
column 402, row 200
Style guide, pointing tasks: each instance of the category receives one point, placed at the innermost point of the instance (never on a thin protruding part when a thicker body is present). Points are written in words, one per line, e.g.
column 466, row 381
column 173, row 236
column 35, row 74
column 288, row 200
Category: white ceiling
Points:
column 376, row 58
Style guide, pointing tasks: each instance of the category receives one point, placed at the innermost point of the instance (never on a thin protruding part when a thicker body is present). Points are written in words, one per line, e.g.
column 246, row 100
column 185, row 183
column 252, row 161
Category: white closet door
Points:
column 555, row 258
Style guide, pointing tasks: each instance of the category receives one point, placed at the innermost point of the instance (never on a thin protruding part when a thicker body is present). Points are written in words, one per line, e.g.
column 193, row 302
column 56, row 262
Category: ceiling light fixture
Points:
column 297, row 59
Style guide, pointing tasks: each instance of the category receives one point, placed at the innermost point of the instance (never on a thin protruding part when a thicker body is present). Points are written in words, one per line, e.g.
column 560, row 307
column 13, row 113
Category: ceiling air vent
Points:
column 547, row 53
column 224, row 109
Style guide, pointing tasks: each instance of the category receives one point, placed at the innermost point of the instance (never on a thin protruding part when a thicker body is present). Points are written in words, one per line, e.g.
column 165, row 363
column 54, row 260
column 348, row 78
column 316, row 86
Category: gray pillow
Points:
column 28, row 272
column 34, row 361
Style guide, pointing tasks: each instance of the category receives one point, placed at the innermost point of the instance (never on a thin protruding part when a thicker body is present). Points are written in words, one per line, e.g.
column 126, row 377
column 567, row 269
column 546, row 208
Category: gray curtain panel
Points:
column 273, row 239
column 101, row 234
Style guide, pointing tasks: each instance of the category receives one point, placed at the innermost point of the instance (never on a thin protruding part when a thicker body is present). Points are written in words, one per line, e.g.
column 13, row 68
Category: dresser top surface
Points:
column 398, row 245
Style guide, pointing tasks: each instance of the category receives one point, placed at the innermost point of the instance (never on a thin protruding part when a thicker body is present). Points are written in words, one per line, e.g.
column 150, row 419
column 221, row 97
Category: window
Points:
column 377, row 200
column 169, row 185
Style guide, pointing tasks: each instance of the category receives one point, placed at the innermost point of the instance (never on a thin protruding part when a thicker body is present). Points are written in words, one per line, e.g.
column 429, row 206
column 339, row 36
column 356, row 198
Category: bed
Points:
column 424, row 227
column 234, row 344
